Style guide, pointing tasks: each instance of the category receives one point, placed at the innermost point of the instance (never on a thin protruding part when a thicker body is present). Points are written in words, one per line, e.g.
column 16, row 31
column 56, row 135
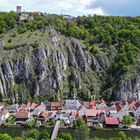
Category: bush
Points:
column 21, row 30
column 31, row 124
column 93, row 49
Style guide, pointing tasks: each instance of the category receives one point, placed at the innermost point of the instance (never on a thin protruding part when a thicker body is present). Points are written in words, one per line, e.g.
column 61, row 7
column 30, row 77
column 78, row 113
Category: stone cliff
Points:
column 63, row 68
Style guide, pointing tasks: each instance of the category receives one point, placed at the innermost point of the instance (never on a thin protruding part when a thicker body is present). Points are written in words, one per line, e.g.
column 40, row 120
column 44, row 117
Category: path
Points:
column 55, row 130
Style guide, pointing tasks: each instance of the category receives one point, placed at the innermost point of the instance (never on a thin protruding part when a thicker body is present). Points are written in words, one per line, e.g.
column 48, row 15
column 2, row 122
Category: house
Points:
column 22, row 115
column 56, row 105
column 111, row 110
column 111, row 122
column 4, row 115
column 39, row 109
column 101, row 105
column 22, row 106
column 94, row 116
column 35, row 13
column 71, row 105
column 122, row 109
column 43, row 116
column 81, row 110
column 92, row 104
column 85, row 104
column 12, row 108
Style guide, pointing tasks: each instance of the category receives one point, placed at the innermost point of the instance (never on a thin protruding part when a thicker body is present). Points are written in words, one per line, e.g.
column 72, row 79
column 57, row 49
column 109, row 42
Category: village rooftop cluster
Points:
column 94, row 113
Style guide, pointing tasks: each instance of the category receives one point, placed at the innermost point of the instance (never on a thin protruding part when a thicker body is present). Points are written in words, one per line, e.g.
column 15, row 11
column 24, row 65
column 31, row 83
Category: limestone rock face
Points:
column 62, row 67
column 128, row 90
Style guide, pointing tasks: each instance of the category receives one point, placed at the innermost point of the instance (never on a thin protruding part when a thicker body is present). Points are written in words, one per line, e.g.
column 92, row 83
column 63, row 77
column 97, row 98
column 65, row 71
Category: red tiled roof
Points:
column 92, row 113
column 92, row 103
column 23, row 114
column 35, row 13
column 111, row 121
column 137, row 104
column 132, row 103
column 56, row 104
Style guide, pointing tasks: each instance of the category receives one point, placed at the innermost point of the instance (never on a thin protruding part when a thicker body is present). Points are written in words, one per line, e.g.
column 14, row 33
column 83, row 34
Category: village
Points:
column 95, row 113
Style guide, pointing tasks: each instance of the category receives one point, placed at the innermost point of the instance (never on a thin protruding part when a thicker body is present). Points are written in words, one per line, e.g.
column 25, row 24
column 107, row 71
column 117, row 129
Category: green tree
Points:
column 35, row 134
column 5, row 137
column 127, row 120
column 44, row 135
column 65, row 136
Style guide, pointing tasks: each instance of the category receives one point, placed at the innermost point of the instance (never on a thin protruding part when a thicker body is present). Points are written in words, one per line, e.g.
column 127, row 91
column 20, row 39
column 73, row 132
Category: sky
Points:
column 76, row 7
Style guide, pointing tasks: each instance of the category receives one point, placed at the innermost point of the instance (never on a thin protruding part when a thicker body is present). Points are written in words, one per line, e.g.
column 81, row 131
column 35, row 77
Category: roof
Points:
column 80, row 107
column 35, row 13
column 28, row 105
column 119, row 107
column 111, row 121
column 44, row 114
column 131, row 103
column 12, row 107
column 34, row 105
column 92, row 113
column 4, row 112
column 92, row 103
column 23, row 114
column 57, row 104
column 137, row 104
column 85, row 104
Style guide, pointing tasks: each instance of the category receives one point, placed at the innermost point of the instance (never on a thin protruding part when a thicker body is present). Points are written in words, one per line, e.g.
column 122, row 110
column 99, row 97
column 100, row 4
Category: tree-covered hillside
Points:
column 111, row 48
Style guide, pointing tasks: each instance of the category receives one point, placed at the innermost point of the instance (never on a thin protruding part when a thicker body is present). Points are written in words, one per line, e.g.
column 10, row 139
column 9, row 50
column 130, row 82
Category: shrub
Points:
column 21, row 30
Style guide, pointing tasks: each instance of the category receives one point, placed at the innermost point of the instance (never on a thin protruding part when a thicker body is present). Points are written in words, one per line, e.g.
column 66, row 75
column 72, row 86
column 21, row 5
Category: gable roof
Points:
column 93, row 113
column 92, row 103
column 23, row 114
column 44, row 114
column 111, row 121
column 57, row 104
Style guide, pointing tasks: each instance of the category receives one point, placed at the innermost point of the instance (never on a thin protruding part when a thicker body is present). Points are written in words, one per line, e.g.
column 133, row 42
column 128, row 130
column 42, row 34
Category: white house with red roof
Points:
column 93, row 116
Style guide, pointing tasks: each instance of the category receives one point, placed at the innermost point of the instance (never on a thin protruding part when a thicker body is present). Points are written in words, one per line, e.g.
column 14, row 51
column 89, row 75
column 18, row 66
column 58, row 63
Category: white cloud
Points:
column 75, row 6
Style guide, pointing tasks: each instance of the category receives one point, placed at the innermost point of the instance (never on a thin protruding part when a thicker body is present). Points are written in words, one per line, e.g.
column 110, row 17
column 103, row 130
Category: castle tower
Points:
column 19, row 9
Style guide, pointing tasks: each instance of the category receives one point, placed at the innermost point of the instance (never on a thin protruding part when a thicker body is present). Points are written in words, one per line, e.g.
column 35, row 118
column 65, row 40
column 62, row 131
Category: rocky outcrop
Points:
column 128, row 89
column 61, row 67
